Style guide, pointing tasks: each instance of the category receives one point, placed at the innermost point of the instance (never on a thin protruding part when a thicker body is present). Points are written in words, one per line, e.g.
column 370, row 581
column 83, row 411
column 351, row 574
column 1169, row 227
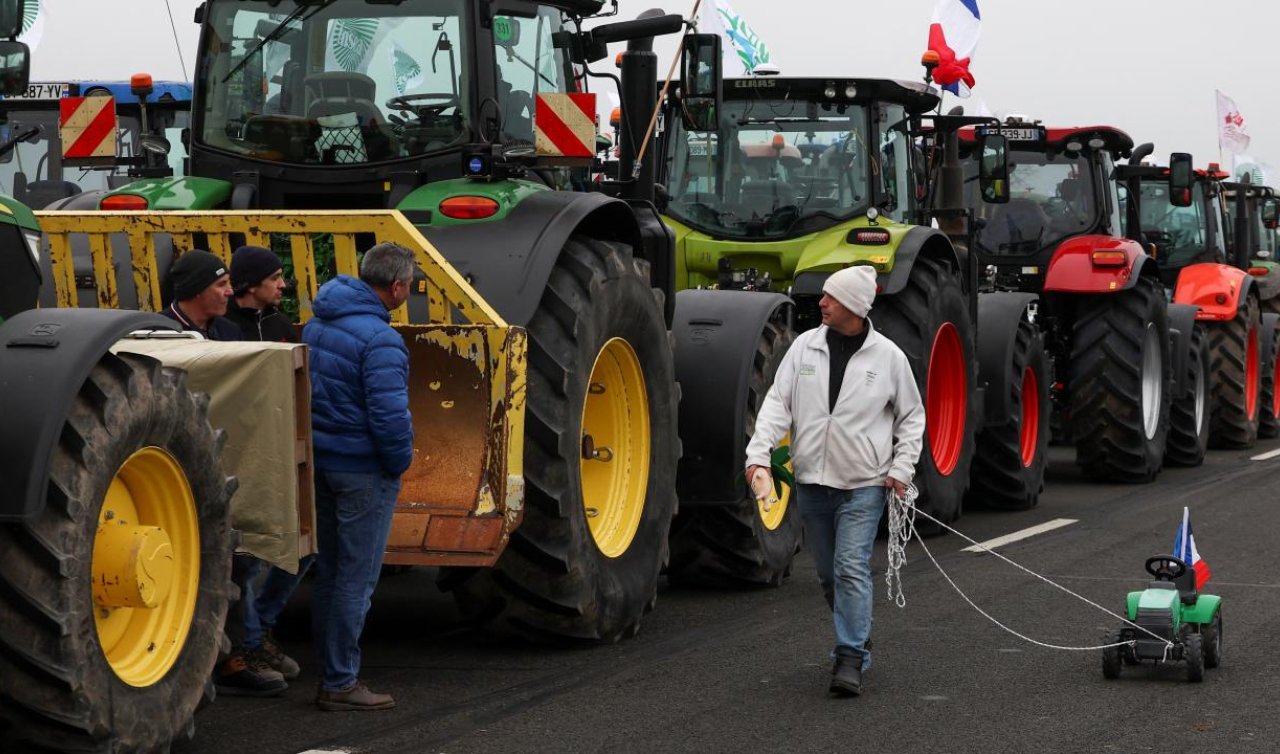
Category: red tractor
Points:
column 1205, row 250
column 1058, row 231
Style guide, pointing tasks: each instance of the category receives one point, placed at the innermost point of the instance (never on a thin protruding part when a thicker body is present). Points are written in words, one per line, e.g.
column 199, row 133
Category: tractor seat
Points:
column 1185, row 584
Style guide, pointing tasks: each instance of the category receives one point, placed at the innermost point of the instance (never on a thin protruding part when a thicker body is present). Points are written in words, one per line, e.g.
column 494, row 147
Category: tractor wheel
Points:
column 1118, row 380
column 741, row 545
column 929, row 321
column 1193, row 654
column 1233, row 391
column 113, row 597
column 1189, row 415
column 1112, row 663
column 1212, row 637
column 1008, row 465
column 1268, row 396
column 601, row 448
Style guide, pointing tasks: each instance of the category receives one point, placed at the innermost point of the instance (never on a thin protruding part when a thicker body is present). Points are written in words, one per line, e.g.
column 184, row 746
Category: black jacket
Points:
column 269, row 324
column 219, row 328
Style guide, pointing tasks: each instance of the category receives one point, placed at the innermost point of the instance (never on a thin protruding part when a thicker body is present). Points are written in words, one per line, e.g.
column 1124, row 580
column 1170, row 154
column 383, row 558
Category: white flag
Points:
column 1232, row 134
column 743, row 48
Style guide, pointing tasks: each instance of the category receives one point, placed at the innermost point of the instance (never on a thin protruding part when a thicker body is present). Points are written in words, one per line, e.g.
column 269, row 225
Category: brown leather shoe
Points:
column 358, row 698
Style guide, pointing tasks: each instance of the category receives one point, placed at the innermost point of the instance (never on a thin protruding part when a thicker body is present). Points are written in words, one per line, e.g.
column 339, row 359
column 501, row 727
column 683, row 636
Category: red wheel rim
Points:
column 1251, row 375
column 946, row 405
column 1030, row 416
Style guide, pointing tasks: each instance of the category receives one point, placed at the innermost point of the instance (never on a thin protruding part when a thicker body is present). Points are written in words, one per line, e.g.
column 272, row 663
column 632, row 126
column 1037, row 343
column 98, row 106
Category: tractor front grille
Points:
column 1157, row 620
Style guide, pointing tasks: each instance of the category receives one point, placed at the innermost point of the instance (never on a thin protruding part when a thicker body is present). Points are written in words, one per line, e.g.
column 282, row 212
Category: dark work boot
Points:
column 846, row 676
column 244, row 674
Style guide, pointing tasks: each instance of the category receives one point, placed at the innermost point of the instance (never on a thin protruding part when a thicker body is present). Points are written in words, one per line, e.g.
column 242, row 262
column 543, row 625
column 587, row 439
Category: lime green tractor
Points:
column 799, row 177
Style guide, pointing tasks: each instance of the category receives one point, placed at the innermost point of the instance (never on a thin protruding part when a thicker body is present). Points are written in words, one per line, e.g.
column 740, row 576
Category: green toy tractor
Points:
column 1188, row 623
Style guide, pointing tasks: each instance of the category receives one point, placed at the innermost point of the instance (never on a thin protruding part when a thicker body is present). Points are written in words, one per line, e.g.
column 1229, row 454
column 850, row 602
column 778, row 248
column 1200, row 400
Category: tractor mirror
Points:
column 1180, row 176
column 700, row 82
column 15, row 67
column 11, row 12
column 1269, row 219
column 506, row 32
column 993, row 168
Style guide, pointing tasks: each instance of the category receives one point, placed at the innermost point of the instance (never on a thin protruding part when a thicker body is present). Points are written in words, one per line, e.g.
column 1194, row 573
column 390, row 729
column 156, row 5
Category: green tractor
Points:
column 799, row 177
column 114, row 528
column 465, row 116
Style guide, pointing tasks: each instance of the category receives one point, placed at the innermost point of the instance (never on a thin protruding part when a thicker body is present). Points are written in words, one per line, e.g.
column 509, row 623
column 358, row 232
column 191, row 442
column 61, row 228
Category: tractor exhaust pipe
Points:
column 1141, row 152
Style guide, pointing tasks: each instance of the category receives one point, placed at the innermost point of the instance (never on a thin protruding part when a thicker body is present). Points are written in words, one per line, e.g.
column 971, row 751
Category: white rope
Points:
column 902, row 513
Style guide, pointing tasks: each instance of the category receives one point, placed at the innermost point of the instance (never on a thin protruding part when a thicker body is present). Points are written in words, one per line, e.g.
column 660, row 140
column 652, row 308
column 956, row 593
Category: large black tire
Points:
column 1112, row 662
column 1268, row 398
column 1188, row 437
column 57, row 688
column 1232, row 344
column 1193, row 655
column 553, row 583
column 733, row 545
column 932, row 305
column 1010, row 458
column 1118, row 383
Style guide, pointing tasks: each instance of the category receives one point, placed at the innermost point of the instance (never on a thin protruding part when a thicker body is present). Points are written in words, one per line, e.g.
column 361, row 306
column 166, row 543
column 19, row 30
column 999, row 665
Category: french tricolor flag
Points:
column 953, row 34
column 1184, row 549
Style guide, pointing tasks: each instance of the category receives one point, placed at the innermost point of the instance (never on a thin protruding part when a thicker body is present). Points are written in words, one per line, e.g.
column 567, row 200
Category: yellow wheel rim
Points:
column 615, row 448
column 772, row 518
column 146, row 567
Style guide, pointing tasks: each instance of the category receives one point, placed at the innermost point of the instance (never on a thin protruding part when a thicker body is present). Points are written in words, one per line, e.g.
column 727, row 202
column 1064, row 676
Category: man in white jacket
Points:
column 847, row 396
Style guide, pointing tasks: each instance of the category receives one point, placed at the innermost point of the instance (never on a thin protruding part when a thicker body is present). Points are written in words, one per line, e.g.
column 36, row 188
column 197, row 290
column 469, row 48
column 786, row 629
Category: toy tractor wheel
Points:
column 1008, row 465
column 1119, row 383
column 1112, row 661
column 1233, row 398
column 929, row 320
column 742, row 544
column 1193, row 654
column 113, row 597
column 1268, row 395
column 1189, row 415
column 1212, row 636
column 601, row 449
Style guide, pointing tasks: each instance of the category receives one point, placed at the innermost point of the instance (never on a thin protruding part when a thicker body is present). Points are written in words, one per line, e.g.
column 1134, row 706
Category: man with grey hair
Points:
column 363, row 439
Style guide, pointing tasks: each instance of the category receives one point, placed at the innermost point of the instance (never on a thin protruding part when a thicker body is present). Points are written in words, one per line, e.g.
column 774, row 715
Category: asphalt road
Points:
column 717, row 671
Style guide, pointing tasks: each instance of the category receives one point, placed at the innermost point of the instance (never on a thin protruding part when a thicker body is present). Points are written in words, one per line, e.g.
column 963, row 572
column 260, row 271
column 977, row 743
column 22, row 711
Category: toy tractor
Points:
column 1172, row 609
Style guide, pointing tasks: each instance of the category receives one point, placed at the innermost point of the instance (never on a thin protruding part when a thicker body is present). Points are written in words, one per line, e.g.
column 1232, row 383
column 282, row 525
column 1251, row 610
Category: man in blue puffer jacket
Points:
column 363, row 443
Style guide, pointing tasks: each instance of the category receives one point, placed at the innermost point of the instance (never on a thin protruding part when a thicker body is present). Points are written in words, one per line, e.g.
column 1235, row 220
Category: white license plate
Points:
column 43, row 90
column 1017, row 134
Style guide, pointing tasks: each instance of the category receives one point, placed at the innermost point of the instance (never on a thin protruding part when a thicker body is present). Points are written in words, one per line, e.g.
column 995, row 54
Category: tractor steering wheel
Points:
column 1165, row 567
column 443, row 101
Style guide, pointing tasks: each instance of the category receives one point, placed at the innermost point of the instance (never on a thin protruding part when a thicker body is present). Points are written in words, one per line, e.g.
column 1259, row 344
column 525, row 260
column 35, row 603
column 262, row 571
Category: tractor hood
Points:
column 698, row 255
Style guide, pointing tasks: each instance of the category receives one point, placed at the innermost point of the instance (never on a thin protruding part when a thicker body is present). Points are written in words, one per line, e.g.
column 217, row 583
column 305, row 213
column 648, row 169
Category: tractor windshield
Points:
column 336, row 82
column 31, row 168
column 775, row 168
column 1179, row 233
column 1052, row 197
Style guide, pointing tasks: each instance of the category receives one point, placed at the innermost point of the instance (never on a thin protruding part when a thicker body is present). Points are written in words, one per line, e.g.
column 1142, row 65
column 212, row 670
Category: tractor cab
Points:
column 354, row 103
column 790, row 157
column 1184, row 226
column 1060, row 187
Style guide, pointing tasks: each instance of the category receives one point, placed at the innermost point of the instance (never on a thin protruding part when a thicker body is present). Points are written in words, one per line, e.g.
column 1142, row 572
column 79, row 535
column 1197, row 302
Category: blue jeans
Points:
column 839, row 531
column 268, row 600
column 353, row 520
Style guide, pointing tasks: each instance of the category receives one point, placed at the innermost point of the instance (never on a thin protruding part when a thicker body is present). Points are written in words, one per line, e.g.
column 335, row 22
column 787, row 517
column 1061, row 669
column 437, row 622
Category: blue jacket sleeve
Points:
column 385, row 369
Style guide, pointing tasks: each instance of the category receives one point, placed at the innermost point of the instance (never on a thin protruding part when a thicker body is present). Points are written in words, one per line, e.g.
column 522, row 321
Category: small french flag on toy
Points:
column 1184, row 549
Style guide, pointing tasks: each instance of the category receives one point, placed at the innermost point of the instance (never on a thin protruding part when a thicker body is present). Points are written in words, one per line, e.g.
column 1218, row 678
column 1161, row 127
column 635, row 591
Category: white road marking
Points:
column 326, row 751
column 1267, row 455
column 991, row 544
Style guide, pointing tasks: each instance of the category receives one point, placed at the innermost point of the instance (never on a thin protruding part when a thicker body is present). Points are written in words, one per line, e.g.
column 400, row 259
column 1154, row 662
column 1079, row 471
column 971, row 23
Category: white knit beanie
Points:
column 854, row 287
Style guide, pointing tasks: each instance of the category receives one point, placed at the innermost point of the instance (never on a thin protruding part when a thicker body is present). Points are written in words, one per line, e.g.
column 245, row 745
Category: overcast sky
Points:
column 1147, row 66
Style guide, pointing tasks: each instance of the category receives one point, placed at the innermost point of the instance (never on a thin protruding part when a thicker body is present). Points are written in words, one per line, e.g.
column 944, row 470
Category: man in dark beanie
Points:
column 201, row 290
column 257, row 280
